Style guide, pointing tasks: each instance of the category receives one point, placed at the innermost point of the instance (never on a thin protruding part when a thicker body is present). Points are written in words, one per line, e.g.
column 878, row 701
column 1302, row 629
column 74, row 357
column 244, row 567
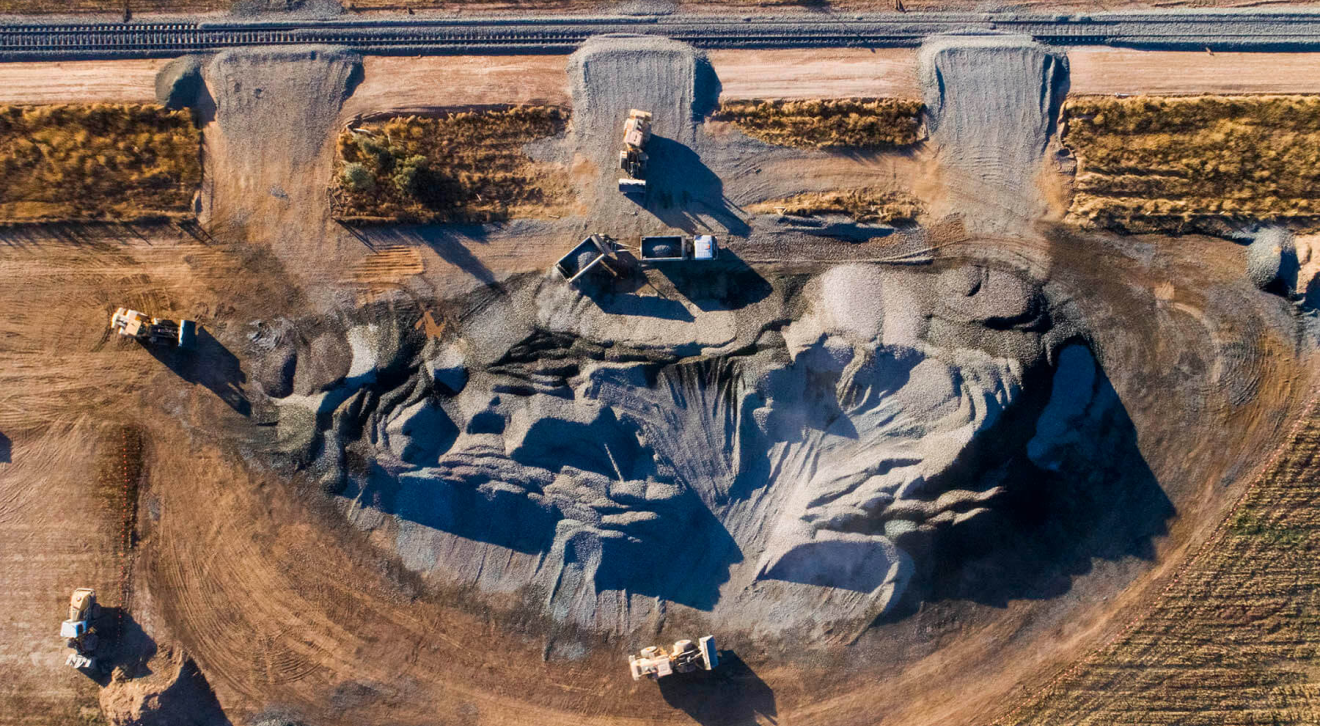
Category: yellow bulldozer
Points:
column 180, row 334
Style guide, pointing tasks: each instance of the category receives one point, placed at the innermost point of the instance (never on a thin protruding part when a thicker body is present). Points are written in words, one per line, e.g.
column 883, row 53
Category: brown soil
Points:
column 402, row 86
column 1228, row 638
column 258, row 578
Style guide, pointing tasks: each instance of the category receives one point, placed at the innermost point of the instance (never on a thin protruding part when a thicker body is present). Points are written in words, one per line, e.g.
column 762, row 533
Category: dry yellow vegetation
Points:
column 97, row 162
column 1234, row 640
column 1163, row 163
column 847, row 123
column 463, row 167
column 862, row 205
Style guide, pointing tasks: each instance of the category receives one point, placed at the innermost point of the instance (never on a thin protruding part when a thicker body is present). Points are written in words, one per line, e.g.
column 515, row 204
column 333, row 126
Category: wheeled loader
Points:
column 655, row 662
column 633, row 158
column 180, row 334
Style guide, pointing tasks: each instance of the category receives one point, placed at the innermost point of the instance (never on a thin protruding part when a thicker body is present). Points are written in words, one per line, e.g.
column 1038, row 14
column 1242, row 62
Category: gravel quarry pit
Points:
column 902, row 477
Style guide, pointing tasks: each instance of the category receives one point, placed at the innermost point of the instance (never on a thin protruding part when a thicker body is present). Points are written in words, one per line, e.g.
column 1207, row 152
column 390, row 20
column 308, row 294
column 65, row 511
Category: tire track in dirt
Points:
column 1231, row 625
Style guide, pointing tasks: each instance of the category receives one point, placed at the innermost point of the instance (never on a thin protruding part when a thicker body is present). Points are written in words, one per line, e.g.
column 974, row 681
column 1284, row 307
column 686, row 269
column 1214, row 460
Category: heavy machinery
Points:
column 674, row 248
column 77, row 631
column 632, row 159
column 685, row 657
column 154, row 331
column 593, row 254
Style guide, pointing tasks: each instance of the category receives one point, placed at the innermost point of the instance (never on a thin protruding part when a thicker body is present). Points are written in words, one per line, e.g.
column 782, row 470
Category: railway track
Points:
column 1215, row 30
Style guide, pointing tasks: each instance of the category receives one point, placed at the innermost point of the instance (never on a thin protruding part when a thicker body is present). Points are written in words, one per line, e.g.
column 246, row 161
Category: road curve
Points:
column 1221, row 30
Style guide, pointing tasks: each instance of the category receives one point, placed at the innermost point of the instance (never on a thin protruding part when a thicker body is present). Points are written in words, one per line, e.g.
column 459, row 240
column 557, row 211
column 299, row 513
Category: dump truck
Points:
column 180, row 334
column 685, row 657
column 675, row 248
column 592, row 255
column 633, row 158
column 77, row 631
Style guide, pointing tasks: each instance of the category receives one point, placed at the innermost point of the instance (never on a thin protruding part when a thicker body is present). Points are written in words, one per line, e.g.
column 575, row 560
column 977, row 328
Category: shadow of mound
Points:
column 731, row 695
column 1079, row 491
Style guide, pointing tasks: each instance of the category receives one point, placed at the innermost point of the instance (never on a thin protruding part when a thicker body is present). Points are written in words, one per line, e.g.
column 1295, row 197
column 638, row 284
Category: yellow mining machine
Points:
column 632, row 159
column 685, row 657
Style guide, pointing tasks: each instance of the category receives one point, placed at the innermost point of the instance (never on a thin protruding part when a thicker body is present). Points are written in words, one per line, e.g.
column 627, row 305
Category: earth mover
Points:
column 77, row 631
column 632, row 159
column 685, row 657
column 180, row 334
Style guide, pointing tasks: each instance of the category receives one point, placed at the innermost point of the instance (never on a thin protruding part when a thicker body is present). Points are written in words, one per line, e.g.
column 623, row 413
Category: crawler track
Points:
column 1218, row 30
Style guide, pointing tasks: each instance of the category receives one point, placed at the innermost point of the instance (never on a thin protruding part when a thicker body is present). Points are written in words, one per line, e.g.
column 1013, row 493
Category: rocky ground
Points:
column 412, row 476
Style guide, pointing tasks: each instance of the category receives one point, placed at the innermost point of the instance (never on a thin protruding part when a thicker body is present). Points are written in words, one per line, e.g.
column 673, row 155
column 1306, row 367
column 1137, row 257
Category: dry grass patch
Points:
column 464, row 167
column 849, row 123
column 862, row 205
column 99, row 162
column 1163, row 163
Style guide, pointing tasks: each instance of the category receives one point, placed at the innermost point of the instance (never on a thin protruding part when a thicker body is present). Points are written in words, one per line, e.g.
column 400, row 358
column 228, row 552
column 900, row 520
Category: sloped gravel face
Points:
column 991, row 102
column 803, row 471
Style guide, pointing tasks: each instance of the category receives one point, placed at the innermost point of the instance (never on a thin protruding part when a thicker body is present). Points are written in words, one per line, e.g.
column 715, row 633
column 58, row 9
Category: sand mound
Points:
column 991, row 103
column 179, row 82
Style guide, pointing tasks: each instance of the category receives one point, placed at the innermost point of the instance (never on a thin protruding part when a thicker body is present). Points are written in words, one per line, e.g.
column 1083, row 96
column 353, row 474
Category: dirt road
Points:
column 413, row 85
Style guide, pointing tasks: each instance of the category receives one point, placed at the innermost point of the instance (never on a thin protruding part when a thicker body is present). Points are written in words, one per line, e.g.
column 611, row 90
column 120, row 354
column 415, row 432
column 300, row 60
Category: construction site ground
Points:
column 132, row 472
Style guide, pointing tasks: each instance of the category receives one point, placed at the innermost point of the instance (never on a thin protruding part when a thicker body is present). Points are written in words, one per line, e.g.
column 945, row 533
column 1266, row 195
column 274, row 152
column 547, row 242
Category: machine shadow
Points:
column 617, row 297
column 6, row 449
column 211, row 365
column 1080, row 491
column 450, row 242
column 725, row 283
column 125, row 645
column 124, row 657
column 682, row 182
column 731, row 695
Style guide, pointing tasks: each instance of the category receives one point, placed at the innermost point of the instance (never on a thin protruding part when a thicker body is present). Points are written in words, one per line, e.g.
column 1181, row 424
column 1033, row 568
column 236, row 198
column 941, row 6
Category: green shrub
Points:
column 356, row 178
column 462, row 167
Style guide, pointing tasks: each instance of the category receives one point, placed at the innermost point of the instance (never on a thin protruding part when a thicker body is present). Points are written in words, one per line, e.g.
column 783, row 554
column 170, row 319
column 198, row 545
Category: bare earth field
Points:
column 408, row 85
column 409, row 476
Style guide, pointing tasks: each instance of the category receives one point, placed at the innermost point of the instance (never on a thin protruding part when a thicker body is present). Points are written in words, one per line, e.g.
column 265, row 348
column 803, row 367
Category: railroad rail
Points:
column 557, row 35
